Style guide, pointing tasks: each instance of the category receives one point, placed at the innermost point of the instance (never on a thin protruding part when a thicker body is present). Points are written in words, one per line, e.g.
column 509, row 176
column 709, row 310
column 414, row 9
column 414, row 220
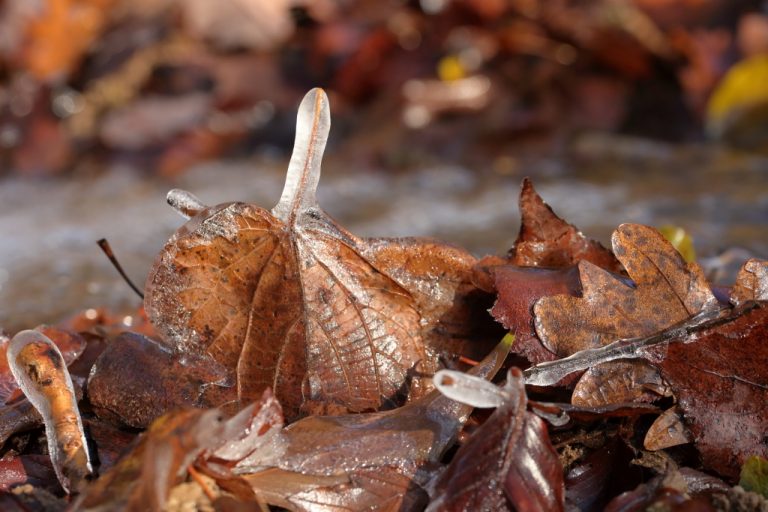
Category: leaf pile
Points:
column 292, row 364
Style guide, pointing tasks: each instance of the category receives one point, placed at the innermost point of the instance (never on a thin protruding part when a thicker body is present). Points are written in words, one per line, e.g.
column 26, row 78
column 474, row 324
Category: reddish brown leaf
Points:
column 619, row 382
column 508, row 462
column 288, row 299
column 720, row 380
column 27, row 469
column 518, row 290
column 666, row 291
column 352, row 462
column 546, row 240
column 136, row 380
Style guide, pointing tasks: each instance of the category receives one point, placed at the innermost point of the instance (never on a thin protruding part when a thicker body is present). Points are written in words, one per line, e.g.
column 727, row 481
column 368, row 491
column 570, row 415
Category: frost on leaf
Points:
column 288, row 299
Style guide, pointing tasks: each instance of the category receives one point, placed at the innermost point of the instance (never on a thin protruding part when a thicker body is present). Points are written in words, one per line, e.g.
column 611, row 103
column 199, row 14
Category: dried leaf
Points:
column 720, row 380
column 751, row 282
column 508, row 458
column 546, row 240
column 136, row 380
column 288, row 299
column 38, row 366
column 142, row 479
column 619, row 382
column 518, row 290
column 356, row 461
column 666, row 291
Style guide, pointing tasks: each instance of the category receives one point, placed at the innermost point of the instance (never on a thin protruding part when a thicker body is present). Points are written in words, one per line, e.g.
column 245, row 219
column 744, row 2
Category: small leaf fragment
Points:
column 751, row 282
column 667, row 431
column 546, row 240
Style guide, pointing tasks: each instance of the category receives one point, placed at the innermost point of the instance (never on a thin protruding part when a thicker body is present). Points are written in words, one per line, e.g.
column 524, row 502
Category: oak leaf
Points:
column 665, row 290
column 288, row 299
column 554, row 246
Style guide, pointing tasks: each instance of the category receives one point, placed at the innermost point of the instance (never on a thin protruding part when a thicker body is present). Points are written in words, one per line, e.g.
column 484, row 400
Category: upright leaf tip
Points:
column 313, row 123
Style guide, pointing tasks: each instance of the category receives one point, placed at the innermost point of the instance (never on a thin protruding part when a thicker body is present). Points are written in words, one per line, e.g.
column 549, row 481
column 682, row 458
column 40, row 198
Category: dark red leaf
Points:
column 507, row 462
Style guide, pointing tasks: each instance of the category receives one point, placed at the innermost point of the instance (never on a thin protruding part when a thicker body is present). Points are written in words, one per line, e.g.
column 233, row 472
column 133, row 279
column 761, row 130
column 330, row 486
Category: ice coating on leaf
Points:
column 39, row 368
column 186, row 203
column 468, row 389
column 313, row 124
column 292, row 301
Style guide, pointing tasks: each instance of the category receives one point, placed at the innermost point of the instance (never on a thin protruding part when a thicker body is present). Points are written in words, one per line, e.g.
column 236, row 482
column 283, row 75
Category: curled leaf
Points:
column 39, row 368
column 508, row 458
column 290, row 300
column 668, row 430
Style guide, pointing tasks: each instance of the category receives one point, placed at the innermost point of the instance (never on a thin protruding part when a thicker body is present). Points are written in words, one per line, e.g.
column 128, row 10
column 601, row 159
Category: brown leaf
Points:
column 142, row 479
column 518, row 290
column 288, row 299
column 546, row 240
column 751, row 282
column 508, row 458
column 666, row 291
column 160, row 458
column 720, row 380
column 354, row 461
column 619, row 382
column 136, row 380
column 668, row 430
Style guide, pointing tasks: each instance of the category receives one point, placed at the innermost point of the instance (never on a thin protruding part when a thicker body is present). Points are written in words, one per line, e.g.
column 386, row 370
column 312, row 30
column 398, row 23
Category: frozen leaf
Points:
column 38, row 366
column 288, row 299
column 546, row 240
column 70, row 344
column 357, row 461
column 142, row 479
column 751, row 282
column 508, row 462
column 619, row 382
column 713, row 364
column 136, row 380
column 666, row 291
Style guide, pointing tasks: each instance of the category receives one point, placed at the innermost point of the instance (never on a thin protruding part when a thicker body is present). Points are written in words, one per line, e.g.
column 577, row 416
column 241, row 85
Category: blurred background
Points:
column 650, row 111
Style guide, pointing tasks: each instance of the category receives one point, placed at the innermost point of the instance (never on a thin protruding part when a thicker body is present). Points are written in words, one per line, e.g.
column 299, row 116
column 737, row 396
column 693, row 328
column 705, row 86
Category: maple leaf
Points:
column 290, row 300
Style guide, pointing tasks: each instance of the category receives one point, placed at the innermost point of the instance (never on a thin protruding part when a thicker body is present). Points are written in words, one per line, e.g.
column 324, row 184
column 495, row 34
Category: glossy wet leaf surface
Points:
column 288, row 299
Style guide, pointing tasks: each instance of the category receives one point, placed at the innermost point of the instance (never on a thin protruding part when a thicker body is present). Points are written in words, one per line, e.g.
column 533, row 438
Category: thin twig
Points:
column 111, row 256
